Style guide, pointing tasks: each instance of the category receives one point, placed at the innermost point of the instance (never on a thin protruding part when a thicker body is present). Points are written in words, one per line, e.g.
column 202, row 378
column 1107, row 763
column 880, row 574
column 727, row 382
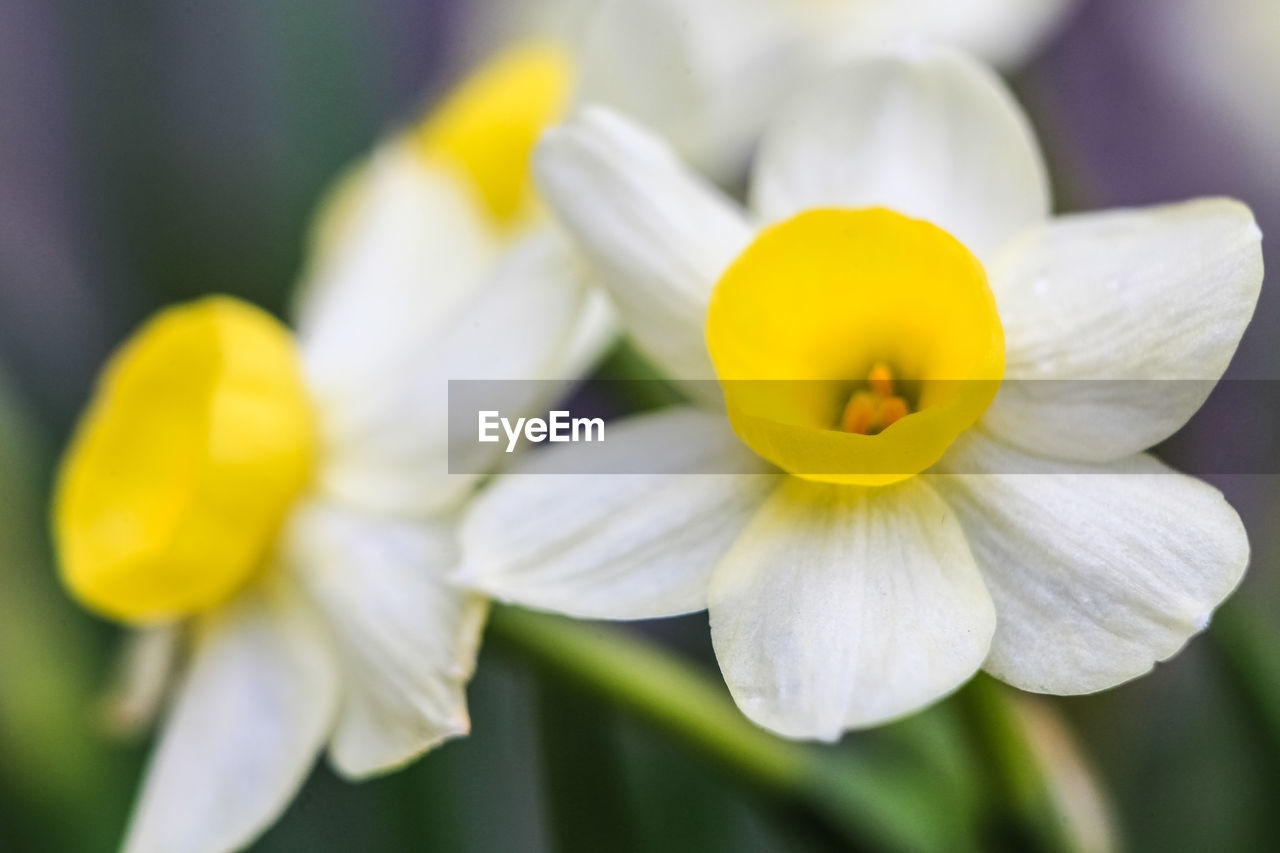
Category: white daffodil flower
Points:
column 921, row 529
column 708, row 75
column 283, row 499
column 1002, row 32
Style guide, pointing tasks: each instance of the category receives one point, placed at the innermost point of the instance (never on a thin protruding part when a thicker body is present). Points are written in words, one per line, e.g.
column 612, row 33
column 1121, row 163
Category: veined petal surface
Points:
column 1097, row 571
column 927, row 132
column 617, row 545
column 842, row 607
column 660, row 235
column 1118, row 324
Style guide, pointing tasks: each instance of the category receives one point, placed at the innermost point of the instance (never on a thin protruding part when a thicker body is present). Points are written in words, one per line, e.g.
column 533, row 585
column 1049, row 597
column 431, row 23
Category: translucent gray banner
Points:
column 1203, row 427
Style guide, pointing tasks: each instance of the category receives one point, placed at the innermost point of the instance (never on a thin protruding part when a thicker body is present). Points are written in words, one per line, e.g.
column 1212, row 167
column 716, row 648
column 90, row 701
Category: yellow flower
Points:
column 281, row 499
column 940, row 477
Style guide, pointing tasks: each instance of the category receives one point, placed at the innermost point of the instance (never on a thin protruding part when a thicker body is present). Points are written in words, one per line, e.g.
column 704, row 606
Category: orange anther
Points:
column 881, row 380
column 859, row 414
column 892, row 410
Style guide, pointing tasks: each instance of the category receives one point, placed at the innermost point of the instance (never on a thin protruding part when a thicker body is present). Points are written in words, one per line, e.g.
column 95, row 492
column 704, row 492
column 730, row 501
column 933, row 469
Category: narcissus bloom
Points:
column 708, row 75
column 900, row 524
column 282, row 498
column 1002, row 32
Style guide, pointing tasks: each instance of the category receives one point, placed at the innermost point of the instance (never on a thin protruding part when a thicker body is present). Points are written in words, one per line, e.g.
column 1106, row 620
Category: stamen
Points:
column 881, row 380
column 870, row 412
column 893, row 410
column 860, row 413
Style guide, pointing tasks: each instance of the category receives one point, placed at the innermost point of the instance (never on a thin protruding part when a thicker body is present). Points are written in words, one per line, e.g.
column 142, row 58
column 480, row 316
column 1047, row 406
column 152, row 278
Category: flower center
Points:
column 804, row 327
column 199, row 437
column 488, row 127
column 875, row 408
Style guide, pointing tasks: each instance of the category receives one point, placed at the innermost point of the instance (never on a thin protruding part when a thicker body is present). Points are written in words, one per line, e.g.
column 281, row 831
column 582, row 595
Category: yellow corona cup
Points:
column 198, row 438
column 488, row 127
column 854, row 346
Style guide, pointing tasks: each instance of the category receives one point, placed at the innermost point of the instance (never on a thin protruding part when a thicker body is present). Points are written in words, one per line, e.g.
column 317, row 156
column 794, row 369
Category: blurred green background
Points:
column 154, row 151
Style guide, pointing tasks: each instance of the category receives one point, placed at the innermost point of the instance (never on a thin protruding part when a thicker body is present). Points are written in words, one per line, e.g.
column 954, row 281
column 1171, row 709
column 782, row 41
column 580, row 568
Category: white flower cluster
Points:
column 899, row 214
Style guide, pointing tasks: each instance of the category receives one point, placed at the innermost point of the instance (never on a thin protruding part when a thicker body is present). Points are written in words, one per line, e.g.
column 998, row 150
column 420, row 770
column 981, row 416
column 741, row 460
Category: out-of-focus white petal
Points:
column 399, row 246
column 535, row 313
column 617, row 545
column 142, row 680
column 926, row 132
column 597, row 331
column 407, row 640
column 1134, row 295
column 1003, row 32
column 1097, row 571
column 386, row 439
column 706, row 75
column 840, row 607
column 253, row 712
column 660, row 235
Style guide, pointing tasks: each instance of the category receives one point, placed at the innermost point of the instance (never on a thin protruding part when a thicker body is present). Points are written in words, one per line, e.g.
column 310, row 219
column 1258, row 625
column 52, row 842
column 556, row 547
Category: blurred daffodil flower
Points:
column 1002, row 32
column 281, row 498
column 708, row 75
column 897, row 268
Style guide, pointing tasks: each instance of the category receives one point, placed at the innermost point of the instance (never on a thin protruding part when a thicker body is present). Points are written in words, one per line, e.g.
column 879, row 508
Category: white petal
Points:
column 1004, row 32
column 841, row 607
column 535, row 313
column 252, row 714
column 386, row 439
column 142, row 681
column 660, row 235
column 407, row 640
column 706, row 75
column 1097, row 571
column 929, row 133
column 597, row 331
column 399, row 247
column 1143, row 295
column 617, row 545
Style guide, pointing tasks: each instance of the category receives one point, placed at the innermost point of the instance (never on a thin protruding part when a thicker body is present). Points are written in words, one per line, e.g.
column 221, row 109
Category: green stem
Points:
column 676, row 697
column 1024, row 799
column 589, row 811
column 1246, row 643
column 633, row 379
